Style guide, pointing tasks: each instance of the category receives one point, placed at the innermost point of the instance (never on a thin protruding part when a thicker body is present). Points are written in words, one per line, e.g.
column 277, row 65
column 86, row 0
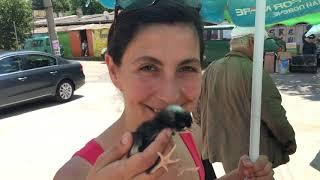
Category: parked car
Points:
column 38, row 44
column 28, row 75
column 41, row 43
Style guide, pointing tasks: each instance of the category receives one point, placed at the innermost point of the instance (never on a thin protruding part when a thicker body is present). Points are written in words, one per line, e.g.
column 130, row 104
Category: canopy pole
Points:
column 257, row 79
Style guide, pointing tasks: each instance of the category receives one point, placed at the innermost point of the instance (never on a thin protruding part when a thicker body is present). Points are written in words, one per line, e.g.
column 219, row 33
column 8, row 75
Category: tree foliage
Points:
column 20, row 12
column 61, row 5
column 93, row 8
column 58, row 5
column 71, row 5
column 37, row 4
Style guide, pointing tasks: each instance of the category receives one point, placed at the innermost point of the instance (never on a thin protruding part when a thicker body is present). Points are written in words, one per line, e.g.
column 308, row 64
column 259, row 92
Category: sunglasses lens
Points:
column 137, row 4
column 191, row 3
column 134, row 4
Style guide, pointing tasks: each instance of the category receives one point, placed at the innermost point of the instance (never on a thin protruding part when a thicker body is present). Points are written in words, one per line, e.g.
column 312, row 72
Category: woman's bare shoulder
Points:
column 75, row 169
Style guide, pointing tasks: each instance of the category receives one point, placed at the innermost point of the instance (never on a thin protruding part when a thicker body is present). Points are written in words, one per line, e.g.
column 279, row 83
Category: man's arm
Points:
column 274, row 115
column 272, row 112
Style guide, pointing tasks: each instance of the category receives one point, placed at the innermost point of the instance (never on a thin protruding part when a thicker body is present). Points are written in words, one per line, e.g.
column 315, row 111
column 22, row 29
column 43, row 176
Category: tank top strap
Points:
column 90, row 152
column 190, row 143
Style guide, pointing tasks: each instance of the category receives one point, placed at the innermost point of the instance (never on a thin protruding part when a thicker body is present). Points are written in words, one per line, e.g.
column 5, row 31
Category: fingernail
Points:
column 247, row 162
column 125, row 138
column 168, row 132
column 246, row 173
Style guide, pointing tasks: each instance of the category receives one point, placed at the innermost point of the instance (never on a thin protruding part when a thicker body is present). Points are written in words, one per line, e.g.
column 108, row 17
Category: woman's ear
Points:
column 114, row 71
column 107, row 59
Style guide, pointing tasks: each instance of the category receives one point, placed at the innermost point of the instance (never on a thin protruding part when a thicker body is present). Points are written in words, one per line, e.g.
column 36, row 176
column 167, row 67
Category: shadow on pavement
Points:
column 303, row 84
column 31, row 106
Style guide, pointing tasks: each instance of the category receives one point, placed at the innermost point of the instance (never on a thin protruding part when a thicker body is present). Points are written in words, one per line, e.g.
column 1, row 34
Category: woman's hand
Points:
column 114, row 163
column 260, row 170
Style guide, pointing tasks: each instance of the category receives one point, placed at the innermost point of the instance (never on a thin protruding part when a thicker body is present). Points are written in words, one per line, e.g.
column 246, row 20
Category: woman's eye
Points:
column 149, row 68
column 188, row 69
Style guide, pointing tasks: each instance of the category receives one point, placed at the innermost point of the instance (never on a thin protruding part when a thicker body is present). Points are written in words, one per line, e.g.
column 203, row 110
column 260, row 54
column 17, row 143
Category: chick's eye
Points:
column 149, row 68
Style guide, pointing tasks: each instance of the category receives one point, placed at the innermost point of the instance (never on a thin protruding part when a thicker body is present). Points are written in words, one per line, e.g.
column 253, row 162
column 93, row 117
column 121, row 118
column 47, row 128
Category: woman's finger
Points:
column 115, row 153
column 168, row 147
column 267, row 177
column 261, row 163
column 160, row 171
column 246, row 162
column 140, row 162
column 267, row 170
column 245, row 167
column 151, row 176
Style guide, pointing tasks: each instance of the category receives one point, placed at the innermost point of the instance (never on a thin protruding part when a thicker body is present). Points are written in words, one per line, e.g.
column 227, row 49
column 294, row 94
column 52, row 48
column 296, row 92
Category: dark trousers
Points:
column 210, row 174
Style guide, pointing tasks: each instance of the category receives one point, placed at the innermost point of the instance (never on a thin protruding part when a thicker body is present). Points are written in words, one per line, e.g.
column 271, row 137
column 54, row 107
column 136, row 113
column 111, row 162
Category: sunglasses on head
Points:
column 139, row 4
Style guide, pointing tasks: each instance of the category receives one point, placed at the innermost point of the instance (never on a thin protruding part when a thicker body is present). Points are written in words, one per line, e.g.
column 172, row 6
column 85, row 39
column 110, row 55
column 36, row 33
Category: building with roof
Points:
column 73, row 30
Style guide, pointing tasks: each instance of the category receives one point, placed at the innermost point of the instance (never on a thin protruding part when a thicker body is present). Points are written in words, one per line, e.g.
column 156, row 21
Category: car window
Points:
column 47, row 42
column 37, row 43
column 37, row 61
column 10, row 65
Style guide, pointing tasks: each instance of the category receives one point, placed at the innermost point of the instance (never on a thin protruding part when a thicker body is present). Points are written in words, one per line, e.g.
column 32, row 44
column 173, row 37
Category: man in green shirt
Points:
column 225, row 104
column 271, row 45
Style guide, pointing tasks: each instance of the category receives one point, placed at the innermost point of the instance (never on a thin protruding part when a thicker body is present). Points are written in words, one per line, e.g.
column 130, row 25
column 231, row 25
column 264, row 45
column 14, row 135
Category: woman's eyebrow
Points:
column 190, row 61
column 150, row 59
column 147, row 59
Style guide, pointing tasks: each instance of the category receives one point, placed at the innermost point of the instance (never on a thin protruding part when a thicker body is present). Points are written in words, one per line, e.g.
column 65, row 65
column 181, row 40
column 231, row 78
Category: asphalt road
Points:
column 37, row 138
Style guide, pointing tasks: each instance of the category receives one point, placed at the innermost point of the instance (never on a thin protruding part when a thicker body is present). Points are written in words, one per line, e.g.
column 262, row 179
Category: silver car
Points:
column 28, row 75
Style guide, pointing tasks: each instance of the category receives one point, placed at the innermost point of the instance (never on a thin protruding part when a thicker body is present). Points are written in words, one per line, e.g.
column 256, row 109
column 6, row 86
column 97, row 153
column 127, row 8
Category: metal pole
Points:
column 15, row 33
column 257, row 80
column 51, row 27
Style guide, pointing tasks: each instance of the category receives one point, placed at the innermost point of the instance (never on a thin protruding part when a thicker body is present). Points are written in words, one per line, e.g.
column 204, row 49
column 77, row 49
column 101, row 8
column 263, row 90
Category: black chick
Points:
column 173, row 117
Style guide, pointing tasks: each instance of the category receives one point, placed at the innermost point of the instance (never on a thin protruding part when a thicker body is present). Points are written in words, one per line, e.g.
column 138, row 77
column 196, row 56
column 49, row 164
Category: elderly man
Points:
column 224, row 108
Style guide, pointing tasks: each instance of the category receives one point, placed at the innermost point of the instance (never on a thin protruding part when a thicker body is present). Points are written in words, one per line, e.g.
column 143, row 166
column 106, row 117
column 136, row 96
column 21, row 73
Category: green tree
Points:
column 58, row 5
column 37, row 4
column 71, row 5
column 93, row 8
column 61, row 5
column 20, row 12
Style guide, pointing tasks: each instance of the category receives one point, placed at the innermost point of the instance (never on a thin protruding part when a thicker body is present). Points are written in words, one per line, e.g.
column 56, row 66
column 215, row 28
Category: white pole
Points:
column 257, row 79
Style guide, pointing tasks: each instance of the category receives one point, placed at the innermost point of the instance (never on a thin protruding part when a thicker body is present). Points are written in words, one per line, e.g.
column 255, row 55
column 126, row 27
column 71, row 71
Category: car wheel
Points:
column 65, row 91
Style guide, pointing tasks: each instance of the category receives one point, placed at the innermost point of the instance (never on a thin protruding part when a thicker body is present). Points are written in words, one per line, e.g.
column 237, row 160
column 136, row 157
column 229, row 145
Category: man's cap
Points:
column 239, row 32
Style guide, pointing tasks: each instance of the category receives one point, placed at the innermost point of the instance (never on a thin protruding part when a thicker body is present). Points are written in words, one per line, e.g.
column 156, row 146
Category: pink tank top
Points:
column 92, row 150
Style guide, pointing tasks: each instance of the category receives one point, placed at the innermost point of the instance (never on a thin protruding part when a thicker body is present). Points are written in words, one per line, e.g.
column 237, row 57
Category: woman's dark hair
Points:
column 129, row 22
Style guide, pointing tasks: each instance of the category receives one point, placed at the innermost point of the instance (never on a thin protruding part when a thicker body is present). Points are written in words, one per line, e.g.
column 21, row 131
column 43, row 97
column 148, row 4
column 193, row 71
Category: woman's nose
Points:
column 169, row 91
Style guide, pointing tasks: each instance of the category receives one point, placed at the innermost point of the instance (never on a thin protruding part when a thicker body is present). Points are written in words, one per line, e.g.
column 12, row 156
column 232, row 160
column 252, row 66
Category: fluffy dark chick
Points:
column 173, row 117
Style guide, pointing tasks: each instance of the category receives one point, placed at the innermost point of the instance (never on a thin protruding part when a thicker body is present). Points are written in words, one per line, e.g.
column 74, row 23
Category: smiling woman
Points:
column 153, row 58
column 153, row 78
column 154, row 63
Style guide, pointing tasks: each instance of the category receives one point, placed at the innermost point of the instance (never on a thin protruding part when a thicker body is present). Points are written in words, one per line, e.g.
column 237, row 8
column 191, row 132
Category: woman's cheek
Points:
column 191, row 91
column 192, row 86
column 142, row 87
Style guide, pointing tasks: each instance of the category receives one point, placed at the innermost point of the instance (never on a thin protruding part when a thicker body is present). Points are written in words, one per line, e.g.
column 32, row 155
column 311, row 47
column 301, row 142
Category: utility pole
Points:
column 15, row 33
column 55, row 47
